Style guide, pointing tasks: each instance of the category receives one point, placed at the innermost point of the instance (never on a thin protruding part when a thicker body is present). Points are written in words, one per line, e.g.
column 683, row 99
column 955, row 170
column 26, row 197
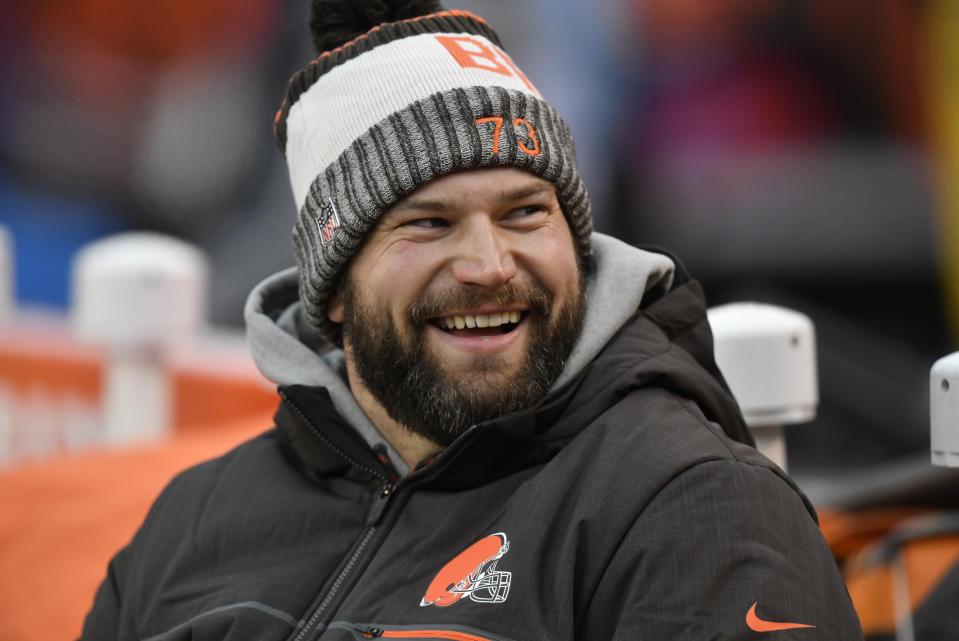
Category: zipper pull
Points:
column 379, row 504
column 373, row 633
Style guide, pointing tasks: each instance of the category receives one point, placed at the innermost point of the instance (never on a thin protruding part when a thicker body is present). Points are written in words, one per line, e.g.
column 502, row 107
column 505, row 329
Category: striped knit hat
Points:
column 369, row 121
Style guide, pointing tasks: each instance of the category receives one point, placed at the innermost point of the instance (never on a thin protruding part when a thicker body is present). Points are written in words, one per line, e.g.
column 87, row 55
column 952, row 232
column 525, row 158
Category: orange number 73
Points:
column 517, row 123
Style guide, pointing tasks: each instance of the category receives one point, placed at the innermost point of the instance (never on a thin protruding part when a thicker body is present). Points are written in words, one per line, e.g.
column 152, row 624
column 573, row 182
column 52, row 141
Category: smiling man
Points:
column 496, row 425
column 477, row 297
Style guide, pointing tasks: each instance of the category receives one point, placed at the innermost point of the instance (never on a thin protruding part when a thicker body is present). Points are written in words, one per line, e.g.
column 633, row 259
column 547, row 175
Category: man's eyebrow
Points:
column 423, row 204
column 439, row 205
column 526, row 191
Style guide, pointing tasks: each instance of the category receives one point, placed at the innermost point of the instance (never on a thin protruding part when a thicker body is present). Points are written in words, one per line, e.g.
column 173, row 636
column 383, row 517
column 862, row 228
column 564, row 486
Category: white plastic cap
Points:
column 944, row 410
column 768, row 356
column 138, row 290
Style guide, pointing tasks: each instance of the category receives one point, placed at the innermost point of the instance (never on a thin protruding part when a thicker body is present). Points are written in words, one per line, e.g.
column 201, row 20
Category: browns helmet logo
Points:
column 472, row 573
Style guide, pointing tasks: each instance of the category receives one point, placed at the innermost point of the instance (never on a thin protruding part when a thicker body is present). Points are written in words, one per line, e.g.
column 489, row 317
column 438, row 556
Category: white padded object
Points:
column 944, row 411
column 138, row 289
column 136, row 295
column 768, row 356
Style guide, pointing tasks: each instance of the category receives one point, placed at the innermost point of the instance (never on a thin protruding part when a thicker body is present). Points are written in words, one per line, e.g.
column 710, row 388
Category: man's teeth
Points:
column 479, row 320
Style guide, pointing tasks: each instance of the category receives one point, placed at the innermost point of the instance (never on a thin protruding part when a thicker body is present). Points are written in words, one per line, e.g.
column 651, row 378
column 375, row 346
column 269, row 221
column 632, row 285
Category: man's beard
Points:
column 413, row 388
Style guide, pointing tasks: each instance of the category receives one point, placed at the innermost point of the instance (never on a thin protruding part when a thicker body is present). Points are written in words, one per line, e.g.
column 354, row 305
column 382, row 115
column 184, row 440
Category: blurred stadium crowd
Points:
column 799, row 152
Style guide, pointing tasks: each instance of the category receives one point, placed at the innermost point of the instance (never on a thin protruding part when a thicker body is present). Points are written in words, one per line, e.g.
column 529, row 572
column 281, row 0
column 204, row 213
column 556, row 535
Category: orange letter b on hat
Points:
column 470, row 52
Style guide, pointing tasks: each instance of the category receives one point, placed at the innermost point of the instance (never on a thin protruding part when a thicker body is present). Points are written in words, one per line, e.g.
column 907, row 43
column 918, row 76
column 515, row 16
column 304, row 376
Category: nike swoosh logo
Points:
column 759, row 625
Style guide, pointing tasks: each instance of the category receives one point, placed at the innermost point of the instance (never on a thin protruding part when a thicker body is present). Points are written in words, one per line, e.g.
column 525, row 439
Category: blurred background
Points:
column 800, row 152
column 803, row 153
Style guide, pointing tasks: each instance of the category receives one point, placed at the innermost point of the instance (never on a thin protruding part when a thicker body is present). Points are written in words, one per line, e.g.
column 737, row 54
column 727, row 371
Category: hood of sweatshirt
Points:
column 625, row 286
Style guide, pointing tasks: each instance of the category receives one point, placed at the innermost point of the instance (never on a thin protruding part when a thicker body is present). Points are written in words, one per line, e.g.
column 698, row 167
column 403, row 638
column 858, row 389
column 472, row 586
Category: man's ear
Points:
column 334, row 311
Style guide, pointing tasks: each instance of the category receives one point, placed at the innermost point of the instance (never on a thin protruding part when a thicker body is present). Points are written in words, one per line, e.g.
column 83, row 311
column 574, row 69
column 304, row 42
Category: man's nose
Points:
column 484, row 257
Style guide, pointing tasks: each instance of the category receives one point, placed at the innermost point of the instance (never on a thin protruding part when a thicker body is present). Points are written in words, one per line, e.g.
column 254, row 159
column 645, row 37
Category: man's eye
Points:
column 428, row 222
column 522, row 212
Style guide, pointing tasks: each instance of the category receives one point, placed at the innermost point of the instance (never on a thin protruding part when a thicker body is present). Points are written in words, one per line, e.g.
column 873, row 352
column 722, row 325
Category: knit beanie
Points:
column 400, row 104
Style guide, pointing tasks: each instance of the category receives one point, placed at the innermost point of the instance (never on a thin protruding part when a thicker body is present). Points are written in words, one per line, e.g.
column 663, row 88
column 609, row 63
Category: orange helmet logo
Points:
column 472, row 573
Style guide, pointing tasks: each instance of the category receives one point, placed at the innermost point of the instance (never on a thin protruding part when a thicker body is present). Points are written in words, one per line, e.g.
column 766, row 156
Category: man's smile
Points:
column 477, row 324
column 487, row 333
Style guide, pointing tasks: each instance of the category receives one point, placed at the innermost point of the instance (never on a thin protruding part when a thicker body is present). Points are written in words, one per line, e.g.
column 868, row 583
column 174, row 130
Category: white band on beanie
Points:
column 319, row 129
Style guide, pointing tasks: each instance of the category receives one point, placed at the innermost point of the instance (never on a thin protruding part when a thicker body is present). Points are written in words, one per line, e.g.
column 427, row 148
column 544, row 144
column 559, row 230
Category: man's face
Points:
column 464, row 302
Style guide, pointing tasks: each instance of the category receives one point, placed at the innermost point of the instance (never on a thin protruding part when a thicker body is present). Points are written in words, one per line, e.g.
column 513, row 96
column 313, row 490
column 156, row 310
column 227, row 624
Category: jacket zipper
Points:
column 373, row 517
column 372, row 521
column 387, row 490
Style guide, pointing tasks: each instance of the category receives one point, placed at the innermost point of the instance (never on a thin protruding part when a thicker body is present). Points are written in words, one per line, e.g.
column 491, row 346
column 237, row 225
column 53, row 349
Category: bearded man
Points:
column 495, row 423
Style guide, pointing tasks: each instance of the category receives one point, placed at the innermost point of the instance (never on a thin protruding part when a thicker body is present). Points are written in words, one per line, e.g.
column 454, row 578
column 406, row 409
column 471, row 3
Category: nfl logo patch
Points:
column 328, row 222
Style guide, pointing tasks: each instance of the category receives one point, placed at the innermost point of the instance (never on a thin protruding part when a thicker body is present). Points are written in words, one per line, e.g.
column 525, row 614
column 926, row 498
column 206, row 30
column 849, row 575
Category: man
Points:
column 494, row 423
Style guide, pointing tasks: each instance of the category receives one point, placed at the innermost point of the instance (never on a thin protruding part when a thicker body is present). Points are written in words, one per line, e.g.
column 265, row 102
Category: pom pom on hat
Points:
column 335, row 22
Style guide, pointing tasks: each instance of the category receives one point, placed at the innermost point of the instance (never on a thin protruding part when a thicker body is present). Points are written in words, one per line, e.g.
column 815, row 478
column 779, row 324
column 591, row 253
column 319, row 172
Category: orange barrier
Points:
column 63, row 519
column 922, row 565
column 850, row 533
column 894, row 560
column 51, row 387
column 65, row 508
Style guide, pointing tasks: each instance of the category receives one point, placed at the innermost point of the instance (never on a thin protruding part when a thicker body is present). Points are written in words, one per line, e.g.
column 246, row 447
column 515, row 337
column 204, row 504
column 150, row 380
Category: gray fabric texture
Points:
column 289, row 351
column 427, row 139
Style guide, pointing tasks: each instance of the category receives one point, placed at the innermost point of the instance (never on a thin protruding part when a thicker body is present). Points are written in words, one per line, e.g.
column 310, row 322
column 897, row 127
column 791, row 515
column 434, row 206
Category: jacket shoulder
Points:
column 670, row 434
column 722, row 525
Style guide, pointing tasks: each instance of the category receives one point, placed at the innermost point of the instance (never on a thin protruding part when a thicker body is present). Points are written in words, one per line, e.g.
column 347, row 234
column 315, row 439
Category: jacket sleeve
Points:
column 726, row 550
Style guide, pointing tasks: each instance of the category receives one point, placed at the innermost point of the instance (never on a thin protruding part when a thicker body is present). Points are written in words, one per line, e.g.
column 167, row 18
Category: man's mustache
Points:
column 530, row 296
